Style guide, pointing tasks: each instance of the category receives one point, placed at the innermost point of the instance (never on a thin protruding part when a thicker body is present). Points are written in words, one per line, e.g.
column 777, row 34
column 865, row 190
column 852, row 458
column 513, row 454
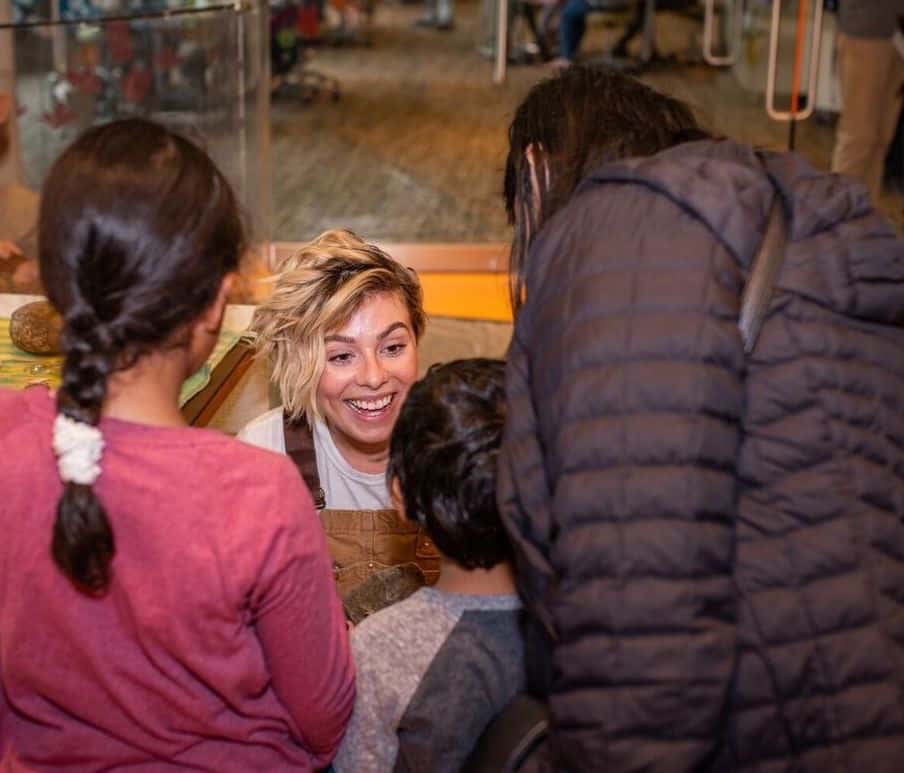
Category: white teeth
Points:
column 371, row 405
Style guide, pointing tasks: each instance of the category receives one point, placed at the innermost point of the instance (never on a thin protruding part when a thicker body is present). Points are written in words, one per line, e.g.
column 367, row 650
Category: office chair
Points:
column 293, row 28
column 512, row 738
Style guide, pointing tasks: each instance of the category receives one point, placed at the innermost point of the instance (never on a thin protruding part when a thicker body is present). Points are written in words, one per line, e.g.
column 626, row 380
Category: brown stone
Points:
column 35, row 327
column 382, row 589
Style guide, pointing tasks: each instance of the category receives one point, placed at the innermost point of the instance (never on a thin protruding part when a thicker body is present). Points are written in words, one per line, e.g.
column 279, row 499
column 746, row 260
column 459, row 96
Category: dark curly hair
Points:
column 137, row 229
column 443, row 454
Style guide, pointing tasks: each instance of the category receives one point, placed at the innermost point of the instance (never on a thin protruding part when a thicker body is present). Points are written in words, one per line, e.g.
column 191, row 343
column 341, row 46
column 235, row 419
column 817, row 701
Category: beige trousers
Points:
column 872, row 74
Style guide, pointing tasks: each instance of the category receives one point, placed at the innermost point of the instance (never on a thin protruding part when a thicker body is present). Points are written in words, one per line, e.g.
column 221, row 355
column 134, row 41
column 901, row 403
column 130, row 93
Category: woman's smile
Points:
column 374, row 407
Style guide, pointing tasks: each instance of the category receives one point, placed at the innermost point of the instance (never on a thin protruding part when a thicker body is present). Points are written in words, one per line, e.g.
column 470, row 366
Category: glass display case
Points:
column 200, row 67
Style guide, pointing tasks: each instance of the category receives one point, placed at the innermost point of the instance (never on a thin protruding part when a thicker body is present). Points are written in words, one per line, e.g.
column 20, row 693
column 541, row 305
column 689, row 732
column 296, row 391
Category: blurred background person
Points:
column 18, row 220
column 871, row 76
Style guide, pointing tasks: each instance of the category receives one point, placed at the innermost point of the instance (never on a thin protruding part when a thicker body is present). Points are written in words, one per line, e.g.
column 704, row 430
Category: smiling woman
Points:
column 370, row 363
column 341, row 331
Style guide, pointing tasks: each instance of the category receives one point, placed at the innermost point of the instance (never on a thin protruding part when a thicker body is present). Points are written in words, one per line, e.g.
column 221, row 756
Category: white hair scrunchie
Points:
column 78, row 447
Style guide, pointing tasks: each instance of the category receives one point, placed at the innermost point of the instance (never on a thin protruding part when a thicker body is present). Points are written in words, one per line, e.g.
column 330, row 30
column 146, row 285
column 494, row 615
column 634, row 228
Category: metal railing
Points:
column 733, row 37
column 795, row 113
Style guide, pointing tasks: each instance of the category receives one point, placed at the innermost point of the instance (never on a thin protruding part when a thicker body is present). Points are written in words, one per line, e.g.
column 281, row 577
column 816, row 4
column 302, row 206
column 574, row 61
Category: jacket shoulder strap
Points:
column 764, row 272
column 300, row 449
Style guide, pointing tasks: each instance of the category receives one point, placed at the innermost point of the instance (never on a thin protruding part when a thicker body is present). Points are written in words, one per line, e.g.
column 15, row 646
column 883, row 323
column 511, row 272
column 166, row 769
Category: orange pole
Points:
column 798, row 55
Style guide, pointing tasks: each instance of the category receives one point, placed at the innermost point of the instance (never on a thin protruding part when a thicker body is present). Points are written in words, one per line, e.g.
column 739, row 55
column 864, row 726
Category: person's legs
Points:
column 571, row 28
column 888, row 121
column 430, row 14
column 634, row 27
column 438, row 14
column 871, row 73
column 444, row 13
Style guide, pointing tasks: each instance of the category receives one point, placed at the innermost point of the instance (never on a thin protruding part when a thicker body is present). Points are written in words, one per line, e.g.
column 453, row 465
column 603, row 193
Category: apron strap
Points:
column 300, row 449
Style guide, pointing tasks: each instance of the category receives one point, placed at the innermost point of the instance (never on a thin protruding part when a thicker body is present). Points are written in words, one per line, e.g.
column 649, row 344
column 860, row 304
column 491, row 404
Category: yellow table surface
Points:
column 20, row 369
column 469, row 296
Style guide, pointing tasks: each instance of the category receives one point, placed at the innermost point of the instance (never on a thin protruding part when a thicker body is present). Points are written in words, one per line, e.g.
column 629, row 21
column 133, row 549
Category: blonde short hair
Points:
column 317, row 290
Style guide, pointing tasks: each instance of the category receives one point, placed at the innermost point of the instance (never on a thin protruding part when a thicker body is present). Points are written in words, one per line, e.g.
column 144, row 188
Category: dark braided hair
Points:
column 136, row 231
column 575, row 122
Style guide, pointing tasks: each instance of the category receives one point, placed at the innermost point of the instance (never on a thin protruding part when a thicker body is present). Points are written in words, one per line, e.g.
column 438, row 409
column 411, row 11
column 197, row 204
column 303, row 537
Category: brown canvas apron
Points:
column 361, row 542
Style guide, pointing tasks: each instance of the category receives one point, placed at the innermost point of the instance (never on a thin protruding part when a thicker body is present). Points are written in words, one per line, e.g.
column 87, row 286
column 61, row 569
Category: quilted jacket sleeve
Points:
column 617, row 477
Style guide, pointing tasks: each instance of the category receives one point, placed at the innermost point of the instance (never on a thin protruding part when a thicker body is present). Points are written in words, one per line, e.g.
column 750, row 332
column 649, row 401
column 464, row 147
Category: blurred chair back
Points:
column 511, row 738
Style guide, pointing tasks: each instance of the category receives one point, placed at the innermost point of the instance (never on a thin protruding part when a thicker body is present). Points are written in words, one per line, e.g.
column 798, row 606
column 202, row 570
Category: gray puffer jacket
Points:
column 712, row 545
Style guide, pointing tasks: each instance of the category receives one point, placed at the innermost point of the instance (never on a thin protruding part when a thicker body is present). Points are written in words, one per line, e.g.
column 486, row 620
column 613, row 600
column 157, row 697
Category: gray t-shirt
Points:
column 432, row 672
column 345, row 487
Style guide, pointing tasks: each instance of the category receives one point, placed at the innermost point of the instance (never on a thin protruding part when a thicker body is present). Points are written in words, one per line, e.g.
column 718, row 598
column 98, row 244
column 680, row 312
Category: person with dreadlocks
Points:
column 708, row 527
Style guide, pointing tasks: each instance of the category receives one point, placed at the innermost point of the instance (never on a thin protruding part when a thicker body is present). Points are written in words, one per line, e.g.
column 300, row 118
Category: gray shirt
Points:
column 432, row 671
column 869, row 18
column 345, row 487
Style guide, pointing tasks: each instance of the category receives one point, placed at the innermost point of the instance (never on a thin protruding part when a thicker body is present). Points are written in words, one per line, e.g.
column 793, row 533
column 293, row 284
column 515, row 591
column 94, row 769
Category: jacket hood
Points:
column 841, row 253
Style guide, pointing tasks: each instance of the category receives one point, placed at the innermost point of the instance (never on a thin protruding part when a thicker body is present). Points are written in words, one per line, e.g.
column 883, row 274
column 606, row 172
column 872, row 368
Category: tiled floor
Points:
column 414, row 149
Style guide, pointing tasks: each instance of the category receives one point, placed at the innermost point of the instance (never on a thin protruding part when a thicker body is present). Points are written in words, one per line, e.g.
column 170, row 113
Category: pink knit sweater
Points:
column 221, row 644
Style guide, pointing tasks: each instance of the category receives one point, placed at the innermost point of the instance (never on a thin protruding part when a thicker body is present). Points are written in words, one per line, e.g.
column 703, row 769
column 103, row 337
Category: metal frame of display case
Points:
column 244, row 20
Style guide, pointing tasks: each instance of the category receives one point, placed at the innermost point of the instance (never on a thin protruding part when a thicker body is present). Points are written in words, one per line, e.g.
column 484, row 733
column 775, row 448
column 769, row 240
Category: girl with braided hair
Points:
column 158, row 583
